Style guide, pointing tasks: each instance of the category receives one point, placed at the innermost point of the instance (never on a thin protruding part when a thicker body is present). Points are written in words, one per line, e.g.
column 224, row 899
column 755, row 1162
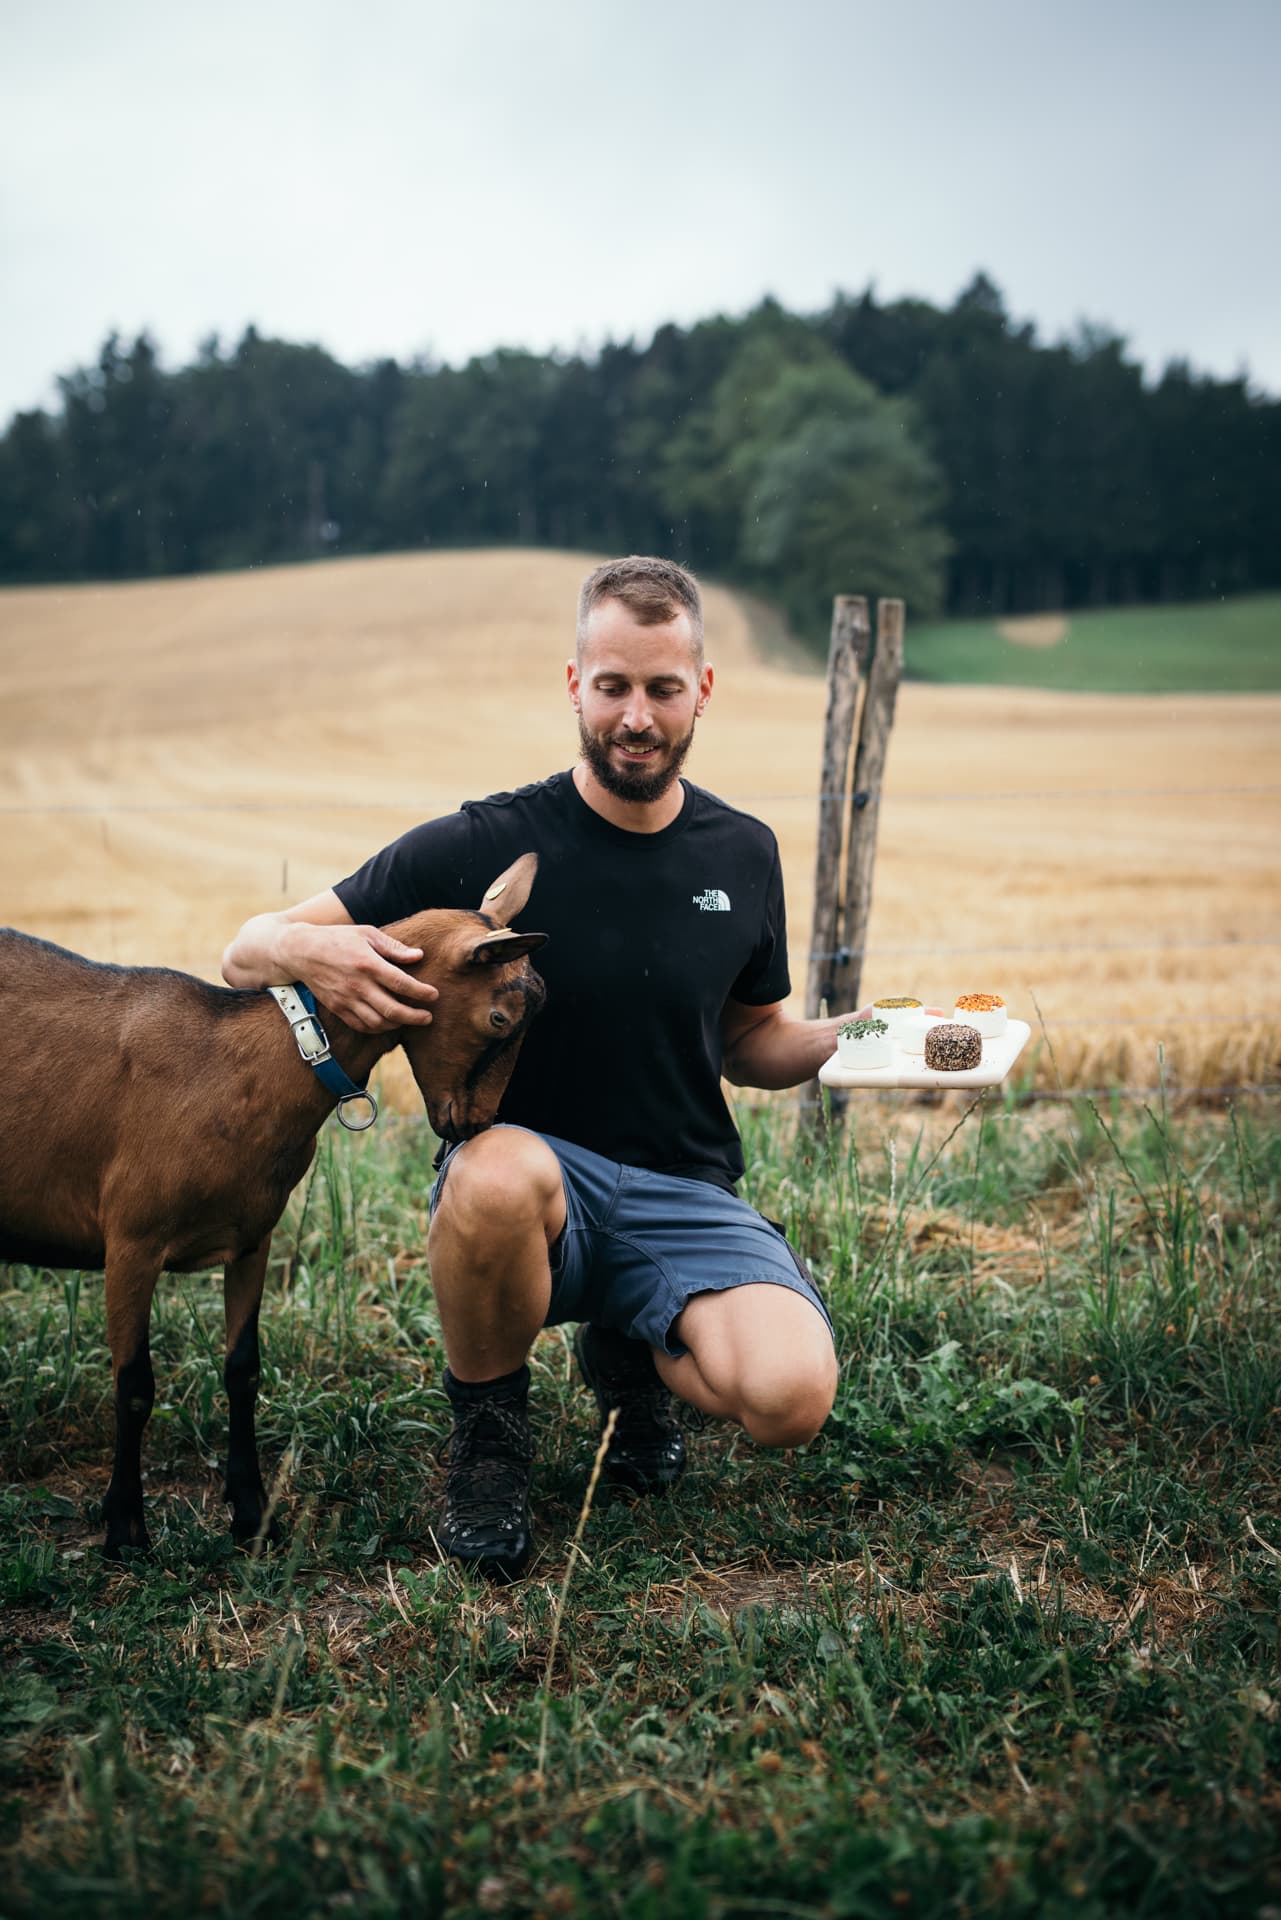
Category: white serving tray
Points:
column 909, row 1069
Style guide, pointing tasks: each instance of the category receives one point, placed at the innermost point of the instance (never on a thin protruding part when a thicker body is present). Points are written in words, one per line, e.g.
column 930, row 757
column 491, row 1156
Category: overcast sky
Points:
column 413, row 178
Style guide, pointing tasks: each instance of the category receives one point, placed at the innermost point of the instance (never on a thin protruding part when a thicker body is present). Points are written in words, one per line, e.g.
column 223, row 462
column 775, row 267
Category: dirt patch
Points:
column 1160, row 1607
column 993, row 1251
column 737, row 1590
column 1035, row 630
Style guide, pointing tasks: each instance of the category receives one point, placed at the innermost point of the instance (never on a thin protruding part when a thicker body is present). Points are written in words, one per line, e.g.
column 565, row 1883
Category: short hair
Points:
column 654, row 591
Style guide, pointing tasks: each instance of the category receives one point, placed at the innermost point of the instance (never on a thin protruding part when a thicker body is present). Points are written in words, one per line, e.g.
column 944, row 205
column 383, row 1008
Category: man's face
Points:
column 637, row 692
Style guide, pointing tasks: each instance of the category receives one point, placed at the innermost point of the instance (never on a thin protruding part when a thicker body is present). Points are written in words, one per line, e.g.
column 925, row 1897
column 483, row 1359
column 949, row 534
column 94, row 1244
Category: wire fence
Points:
column 842, row 955
column 1166, row 1020
column 839, row 955
column 864, row 797
column 1020, row 1096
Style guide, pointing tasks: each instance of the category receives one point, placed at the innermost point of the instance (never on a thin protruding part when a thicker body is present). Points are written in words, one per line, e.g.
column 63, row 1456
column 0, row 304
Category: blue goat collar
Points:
column 298, row 1004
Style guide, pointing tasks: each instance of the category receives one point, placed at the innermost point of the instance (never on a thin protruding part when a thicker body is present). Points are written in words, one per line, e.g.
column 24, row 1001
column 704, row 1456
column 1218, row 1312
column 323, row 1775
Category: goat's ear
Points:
column 495, row 948
column 505, row 896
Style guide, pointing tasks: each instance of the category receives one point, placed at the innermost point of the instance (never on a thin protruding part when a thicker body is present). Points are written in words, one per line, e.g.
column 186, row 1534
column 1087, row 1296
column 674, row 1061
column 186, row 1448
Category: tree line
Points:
column 942, row 454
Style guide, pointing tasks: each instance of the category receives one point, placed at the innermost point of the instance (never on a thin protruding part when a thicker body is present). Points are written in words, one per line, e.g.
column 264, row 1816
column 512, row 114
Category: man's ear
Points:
column 706, row 681
column 573, row 684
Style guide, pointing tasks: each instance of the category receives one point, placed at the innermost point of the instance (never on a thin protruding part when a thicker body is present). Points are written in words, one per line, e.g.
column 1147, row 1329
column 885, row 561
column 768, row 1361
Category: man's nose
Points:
column 636, row 714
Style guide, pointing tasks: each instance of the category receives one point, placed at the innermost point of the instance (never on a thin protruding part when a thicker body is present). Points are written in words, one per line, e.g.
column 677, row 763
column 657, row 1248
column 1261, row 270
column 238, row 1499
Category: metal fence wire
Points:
column 840, row 956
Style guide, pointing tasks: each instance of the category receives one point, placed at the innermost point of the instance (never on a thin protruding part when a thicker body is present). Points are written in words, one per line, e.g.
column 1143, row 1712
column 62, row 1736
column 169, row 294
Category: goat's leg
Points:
column 131, row 1281
column 244, row 1491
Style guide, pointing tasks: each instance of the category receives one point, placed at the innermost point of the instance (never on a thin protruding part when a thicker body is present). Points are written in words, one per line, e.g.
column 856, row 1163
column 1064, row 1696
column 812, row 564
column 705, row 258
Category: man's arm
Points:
column 358, row 971
column 767, row 1047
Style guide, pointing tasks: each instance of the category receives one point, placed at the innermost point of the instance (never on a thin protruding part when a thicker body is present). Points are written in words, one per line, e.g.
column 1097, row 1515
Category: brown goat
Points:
column 159, row 1124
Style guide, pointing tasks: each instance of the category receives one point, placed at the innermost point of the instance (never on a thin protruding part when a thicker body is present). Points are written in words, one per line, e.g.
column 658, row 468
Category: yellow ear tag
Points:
column 495, row 891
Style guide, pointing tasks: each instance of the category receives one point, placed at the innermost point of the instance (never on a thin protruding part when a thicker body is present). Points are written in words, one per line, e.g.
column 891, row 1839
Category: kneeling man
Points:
column 607, row 1195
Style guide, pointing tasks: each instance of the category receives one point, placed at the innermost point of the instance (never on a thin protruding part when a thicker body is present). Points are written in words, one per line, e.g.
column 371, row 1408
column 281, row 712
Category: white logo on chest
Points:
column 712, row 900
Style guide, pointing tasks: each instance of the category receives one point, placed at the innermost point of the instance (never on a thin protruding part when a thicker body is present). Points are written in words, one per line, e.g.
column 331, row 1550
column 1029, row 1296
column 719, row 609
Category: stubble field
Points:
column 176, row 755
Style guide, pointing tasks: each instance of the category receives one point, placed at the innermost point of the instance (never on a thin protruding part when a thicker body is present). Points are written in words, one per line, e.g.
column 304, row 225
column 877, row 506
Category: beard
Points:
column 641, row 784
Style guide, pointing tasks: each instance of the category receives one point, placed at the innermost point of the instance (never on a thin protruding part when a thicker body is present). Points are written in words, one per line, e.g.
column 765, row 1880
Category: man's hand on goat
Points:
column 359, row 973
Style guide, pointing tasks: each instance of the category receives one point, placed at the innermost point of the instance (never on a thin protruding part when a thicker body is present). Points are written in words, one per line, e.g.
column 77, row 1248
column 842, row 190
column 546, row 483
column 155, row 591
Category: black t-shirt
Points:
column 649, row 935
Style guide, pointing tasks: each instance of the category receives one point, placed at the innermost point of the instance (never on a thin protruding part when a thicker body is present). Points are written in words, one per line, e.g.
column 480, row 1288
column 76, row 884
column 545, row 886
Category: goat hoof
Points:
column 135, row 1545
column 250, row 1533
column 126, row 1524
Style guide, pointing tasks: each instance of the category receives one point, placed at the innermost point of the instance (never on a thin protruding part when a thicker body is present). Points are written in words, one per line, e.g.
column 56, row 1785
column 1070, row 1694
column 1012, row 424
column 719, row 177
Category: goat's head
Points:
column 488, row 994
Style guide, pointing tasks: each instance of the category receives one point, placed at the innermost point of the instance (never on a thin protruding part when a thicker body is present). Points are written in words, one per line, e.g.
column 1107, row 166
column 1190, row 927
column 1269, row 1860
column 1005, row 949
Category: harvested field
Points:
column 176, row 755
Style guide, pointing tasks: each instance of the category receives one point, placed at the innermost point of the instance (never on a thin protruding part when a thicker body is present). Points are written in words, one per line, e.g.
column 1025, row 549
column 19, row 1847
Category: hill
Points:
column 1213, row 646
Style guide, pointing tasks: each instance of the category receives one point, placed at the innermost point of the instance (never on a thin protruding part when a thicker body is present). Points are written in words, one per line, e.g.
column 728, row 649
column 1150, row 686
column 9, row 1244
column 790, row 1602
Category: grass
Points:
column 1003, row 1641
column 1216, row 646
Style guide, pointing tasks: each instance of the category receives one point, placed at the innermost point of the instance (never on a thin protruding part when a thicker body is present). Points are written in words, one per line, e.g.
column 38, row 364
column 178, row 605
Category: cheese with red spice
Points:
column 986, row 1011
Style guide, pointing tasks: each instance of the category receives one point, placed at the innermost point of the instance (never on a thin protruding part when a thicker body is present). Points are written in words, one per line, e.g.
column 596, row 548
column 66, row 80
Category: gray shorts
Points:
column 637, row 1246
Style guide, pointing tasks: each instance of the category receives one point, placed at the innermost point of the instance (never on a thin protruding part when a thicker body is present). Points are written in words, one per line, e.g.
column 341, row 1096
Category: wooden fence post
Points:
column 841, row 911
column 847, row 657
column 865, row 803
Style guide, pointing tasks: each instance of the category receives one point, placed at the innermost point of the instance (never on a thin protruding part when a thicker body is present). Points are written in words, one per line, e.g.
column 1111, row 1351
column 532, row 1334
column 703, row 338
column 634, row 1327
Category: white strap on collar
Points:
column 309, row 1036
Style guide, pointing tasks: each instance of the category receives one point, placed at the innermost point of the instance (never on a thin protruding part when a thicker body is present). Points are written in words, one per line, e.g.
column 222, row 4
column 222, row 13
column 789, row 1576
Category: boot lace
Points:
column 490, row 1453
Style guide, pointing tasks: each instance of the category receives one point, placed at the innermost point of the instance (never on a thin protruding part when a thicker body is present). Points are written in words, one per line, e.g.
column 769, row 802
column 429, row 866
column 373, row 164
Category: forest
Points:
column 944, row 454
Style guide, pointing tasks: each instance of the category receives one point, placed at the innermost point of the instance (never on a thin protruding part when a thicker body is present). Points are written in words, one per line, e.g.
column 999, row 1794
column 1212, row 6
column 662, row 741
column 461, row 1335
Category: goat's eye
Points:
column 498, row 1020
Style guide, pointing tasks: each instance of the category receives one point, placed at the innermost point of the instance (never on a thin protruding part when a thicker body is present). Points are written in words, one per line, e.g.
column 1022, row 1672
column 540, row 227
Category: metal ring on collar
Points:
column 357, row 1126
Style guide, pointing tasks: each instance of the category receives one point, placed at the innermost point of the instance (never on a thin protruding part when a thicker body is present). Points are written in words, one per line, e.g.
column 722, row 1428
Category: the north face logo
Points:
column 712, row 900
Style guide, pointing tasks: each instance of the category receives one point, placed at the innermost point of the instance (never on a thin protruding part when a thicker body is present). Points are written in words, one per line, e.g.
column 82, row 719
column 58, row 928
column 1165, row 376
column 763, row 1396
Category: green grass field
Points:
column 1221, row 646
column 1004, row 1641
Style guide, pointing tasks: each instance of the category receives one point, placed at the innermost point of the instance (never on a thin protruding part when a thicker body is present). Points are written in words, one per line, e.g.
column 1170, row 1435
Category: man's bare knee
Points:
column 504, row 1179
column 760, row 1355
column 781, row 1412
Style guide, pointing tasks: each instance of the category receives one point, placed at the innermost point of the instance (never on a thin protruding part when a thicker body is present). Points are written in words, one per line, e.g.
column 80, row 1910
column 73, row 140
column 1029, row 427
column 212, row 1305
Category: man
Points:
column 606, row 1195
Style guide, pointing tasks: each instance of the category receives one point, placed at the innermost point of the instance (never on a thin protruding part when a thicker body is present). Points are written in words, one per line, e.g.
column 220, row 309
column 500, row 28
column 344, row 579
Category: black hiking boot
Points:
column 485, row 1524
column 647, row 1452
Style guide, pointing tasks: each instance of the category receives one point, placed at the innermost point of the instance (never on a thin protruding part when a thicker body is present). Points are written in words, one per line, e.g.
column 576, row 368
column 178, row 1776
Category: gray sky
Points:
column 407, row 177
